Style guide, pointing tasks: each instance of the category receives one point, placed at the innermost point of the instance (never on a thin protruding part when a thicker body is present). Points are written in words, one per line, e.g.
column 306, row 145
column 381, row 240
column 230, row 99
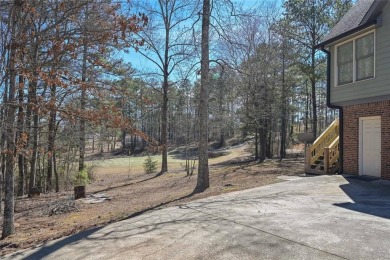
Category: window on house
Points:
column 345, row 63
column 365, row 57
column 355, row 60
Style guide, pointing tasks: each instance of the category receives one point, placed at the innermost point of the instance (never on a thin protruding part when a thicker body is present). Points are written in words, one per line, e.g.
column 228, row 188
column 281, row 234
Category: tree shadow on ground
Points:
column 370, row 195
column 237, row 162
column 128, row 184
column 46, row 250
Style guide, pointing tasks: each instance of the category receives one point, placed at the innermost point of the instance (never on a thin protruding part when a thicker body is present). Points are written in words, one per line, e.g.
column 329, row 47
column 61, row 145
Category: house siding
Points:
column 351, row 135
column 378, row 87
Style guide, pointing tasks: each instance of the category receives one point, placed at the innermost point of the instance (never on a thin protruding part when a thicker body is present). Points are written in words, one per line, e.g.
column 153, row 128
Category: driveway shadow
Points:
column 46, row 250
column 370, row 195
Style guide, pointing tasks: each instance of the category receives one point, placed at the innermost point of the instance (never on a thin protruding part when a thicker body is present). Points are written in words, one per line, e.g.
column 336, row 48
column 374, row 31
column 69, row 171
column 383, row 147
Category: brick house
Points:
column 358, row 51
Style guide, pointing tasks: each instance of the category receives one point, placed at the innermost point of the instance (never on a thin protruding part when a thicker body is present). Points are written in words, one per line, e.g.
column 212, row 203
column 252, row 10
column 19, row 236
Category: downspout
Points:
column 341, row 113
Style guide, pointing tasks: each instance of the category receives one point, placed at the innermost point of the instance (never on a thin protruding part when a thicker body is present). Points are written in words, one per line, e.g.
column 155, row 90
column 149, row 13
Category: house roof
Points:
column 361, row 15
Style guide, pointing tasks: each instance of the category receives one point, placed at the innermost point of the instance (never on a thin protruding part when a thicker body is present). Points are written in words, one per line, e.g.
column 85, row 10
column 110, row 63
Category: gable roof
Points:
column 361, row 15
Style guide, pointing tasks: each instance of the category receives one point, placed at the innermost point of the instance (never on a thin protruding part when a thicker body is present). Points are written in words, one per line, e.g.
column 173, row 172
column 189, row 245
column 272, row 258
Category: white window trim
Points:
column 353, row 40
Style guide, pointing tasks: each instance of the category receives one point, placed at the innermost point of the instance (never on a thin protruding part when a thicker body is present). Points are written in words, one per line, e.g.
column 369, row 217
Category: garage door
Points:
column 370, row 146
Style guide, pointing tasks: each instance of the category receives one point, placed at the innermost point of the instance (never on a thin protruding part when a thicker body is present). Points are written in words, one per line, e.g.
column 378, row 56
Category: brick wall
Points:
column 351, row 134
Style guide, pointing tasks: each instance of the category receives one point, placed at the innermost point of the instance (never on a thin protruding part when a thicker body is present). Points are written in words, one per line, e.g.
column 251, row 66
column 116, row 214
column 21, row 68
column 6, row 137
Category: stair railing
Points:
column 317, row 149
column 331, row 156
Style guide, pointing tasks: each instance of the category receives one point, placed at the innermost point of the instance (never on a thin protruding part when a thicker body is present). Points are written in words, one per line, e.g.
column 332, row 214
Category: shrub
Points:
column 91, row 169
column 150, row 165
column 81, row 178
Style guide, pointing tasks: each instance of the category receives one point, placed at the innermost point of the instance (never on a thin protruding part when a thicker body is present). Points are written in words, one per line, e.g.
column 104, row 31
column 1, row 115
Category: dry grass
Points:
column 133, row 192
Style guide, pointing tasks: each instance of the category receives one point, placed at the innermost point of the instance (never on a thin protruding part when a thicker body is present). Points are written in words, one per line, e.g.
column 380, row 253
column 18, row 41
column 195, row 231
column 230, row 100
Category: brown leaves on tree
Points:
column 48, row 53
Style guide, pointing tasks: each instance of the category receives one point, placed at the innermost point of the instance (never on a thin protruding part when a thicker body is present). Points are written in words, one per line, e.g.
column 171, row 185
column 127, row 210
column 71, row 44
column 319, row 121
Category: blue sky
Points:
column 142, row 64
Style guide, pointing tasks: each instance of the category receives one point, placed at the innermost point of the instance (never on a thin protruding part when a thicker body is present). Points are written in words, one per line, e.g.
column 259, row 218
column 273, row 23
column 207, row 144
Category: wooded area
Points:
column 214, row 70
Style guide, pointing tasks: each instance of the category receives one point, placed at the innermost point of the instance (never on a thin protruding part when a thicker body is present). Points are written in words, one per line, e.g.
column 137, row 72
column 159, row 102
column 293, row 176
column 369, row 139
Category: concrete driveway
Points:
column 323, row 217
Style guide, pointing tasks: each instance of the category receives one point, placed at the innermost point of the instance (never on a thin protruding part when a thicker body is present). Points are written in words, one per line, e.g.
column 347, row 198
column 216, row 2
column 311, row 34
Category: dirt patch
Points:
column 131, row 195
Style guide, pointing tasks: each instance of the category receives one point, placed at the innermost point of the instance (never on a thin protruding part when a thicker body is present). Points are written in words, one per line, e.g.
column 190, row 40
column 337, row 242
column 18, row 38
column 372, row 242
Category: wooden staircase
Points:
column 322, row 157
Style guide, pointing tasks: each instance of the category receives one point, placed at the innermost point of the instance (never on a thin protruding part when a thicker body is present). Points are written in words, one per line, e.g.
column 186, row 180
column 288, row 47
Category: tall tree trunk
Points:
column 164, row 109
column 221, row 111
column 269, row 151
column 256, row 144
column 29, row 179
column 263, row 141
column 123, row 138
column 2, row 145
column 2, row 139
column 34, row 157
column 203, row 168
column 9, row 206
column 56, row 173
column 313, row 93
column 8, row 225
column 40, row 180
column 2, row 169
column 82, row 130
column 82, row 108
column 50, row 141
column 51, row 163
column 33, row 104
column 19, row 136
column 164, row 126
column 283, row 130
column 307, row 107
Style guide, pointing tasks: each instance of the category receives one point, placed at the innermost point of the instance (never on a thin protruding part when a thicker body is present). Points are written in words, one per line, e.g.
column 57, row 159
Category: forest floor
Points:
column 131, row 192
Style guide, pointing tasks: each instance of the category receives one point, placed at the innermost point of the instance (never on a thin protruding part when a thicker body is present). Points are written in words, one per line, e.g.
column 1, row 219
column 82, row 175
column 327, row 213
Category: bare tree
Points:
column 203, row 181
column 14, row 25
column 168, row 41
column 41, row 51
